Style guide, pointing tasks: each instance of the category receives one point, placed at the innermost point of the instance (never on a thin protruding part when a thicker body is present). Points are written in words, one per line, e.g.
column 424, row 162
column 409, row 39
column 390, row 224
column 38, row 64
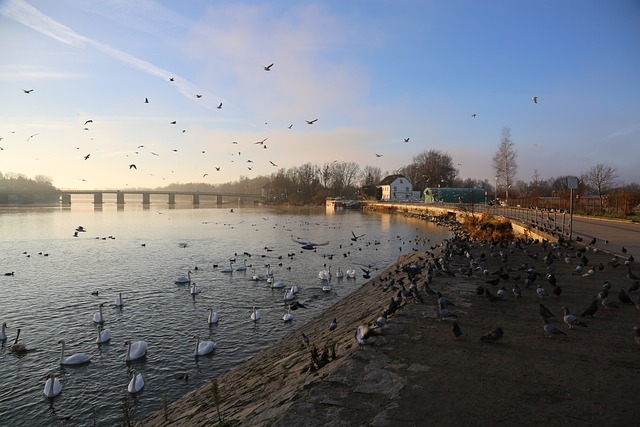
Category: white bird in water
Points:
column 203, row 347
column 212, row 319
column 136, row 384
column 119, row 301
column 255, row 315
column 194, row 290
column 74, row 359
column 135, row 350
column 288, row 316
column 97, row 316
column 52, row 387
column 104, row 335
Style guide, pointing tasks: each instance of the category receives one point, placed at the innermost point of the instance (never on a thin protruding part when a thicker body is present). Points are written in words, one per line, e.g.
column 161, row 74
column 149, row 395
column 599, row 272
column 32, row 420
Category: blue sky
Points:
column 372, row 73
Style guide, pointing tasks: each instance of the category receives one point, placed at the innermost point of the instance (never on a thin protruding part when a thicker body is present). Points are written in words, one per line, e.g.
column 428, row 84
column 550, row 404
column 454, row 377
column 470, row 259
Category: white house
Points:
column 395, row 188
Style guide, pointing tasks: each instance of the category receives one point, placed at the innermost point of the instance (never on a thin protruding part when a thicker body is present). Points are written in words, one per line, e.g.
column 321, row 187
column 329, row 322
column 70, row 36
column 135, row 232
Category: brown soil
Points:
column 417, row 374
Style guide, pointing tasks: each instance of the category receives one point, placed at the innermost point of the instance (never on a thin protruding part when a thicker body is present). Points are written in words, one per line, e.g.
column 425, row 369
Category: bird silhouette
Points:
column 88, row 121
column 220, row 106
column 310, row 122
column 493, row 336
column 27, row 90
column 406, row 140
column 146, row 100
column 273, row 163
column 591, row 310
column 132, row 166
column 87, row 156
column 198, row 96
column 534, row 99
column 268, row 67
column 354, row 237
column 474, row 115
column 455, row 330
column 545, row 312
column 217, row 168
column 171, row 79
column 378, row 155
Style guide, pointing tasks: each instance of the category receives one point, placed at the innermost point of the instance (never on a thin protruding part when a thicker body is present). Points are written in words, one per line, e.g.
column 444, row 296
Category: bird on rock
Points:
column 551, row 329
column 493, row 336
column 362, row 335
column 333, row 325
column 571, row 320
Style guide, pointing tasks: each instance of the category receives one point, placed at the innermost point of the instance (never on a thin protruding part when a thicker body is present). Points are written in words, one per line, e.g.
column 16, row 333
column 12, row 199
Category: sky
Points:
column 372, row 73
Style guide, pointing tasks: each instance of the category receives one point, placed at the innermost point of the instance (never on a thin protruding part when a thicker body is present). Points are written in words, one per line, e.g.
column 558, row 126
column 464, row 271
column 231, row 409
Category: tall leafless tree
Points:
column 602, row 179
column 504, row 162
column 430, row 168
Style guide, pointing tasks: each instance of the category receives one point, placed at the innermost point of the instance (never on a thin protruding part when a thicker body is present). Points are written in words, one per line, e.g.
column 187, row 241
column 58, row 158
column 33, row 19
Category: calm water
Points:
column 51, row 297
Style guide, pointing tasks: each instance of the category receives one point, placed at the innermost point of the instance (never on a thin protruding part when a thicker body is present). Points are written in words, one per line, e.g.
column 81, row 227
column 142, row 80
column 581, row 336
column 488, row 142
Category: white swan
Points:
column 255, row 277
column 74, row 359
column 184, row 279
column 97, row 316
column 325, row 274
column 104, row 335
column 203, row 347
column 213, row 317
column 135, row 350
column 339, row 274
column 288, row 317
column 194, row 290
column 52, row 387
column 242, row 267
column 119, row 301
column 3, row 333
column 255, row 314
column 227, row 269
column 277, row 284
column 351, row 273
column 269, row 270
column 326, row 287
column 136, row 384
column 289, row 295
column 295, row 289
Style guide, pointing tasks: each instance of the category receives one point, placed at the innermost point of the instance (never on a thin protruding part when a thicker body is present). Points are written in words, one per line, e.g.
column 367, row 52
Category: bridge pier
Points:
column 97, row 198
column 219, row 199
column 65, row 199
column 196, row 199
column 146, row 198
column 172, row 199
column 120, row 198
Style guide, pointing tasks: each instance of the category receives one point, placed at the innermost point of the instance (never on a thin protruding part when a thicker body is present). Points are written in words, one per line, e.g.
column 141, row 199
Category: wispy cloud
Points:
column 26, row 14
column 627, row 130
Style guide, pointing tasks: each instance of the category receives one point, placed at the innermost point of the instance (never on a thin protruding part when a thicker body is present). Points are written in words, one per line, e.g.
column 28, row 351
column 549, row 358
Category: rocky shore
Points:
column 413, row 371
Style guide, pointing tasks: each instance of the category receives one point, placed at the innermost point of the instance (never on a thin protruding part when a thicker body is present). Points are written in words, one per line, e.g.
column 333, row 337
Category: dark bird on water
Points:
column 493, row 335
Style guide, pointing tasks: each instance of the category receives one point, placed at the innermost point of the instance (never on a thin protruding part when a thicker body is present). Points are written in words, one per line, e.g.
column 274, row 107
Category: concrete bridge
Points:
column 98, row 196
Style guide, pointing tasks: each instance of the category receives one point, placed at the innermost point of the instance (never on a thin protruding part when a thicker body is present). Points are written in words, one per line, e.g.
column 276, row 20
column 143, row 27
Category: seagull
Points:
column 309, row 245
column 132, row 166
column 355, row 238
column 27, row 90
column 290, row 126
column 171, row 79
column 268, row 67
column 87, row 156
column 474, row 115
column 217, row 168
column 378, row 155
column 88, row 121
column 534, row 99
column 205, row 175
column 220, row 106
column 493, row 336
column 173, row 122
column 35, row 134
column 259, row 142
column 570, row 319
column 551, row 329
column 310, row 122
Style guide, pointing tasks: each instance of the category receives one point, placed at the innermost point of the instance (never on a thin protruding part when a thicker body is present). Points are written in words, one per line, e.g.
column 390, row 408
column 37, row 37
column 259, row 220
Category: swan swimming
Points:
column 288, row 316
column 74, row 359
column 135, row 350
column 98, row 317
column 52, row 387
column 203, row 347
column 18, row 347
column 255, row 277
column 184, row 279
column 351, row 273
column 242, row 267
column 325, row 274
column 255, row 315
column 227, row 269
column 289, row 295
column 3, row 333
column 119, row 301
column 104, row 335
column 213, row 317
column 136, row 384
column 339, row 274
column 277, row 284
column 193, row 290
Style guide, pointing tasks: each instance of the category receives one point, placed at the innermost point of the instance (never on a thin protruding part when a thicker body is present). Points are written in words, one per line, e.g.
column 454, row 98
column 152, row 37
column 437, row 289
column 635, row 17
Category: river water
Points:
column 140, row 252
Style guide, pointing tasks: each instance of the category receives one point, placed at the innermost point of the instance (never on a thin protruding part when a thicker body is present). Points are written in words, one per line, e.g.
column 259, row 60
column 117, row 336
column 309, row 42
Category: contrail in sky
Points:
column 24, row 13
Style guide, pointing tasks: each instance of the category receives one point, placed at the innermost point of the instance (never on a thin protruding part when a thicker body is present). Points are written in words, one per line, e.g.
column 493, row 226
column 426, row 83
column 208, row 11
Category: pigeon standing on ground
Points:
column 333, row 325
column 570, row 319
column 362, row 333
column 493, row 336
column 591, row 310
column 455, row 329
column 545, row 312
column 551, row 329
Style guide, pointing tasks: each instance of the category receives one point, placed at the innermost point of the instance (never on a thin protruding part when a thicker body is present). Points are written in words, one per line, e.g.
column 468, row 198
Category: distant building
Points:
column 395, row 188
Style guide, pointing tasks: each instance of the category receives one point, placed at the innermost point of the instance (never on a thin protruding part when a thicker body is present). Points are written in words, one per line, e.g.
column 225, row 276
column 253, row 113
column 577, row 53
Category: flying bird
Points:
column 355, row 238
column 35, row 134
column 308, row 245
column 132, row 166
column 220, row 106
column 205, row 175
column 534, row 99
column 259, row 142
column 406, row 139
column 198, row 96
column 268, row 67
column 146, row 100
column 474, row 115
column 88, row 121
column 27, row 90
column 273, row 163
column 217, row 168
column 310, row 122
column 87, row 156
column 290, row 126
column 378, row 155
column 173, row 122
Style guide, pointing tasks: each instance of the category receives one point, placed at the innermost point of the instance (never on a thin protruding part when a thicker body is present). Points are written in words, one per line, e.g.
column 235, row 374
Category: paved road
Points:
column 618, row 233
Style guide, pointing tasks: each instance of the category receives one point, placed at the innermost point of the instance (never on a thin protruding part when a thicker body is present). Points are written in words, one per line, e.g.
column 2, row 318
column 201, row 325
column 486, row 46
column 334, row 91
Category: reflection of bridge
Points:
column 65, row 195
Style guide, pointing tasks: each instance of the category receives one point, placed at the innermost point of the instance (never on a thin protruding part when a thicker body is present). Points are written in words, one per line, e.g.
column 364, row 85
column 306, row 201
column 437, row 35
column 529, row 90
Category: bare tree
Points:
column 431, row 168
column 504, row 162
column 602, row 179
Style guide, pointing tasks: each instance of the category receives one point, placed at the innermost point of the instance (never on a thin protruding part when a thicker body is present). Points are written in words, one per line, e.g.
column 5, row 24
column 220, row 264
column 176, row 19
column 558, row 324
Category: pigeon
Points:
column 622, row 296
column 545, row 312
column 635, row 285
column 517, row 292
column 362, row 333
column 442, row 300
column 305, row 339
column 445, row 312
column 542, row 292
column 333, row 325
column 591, row 310
column 455, row 330
column 493, row 335
column 557, row 290
column 570, row 319
column 551, row 329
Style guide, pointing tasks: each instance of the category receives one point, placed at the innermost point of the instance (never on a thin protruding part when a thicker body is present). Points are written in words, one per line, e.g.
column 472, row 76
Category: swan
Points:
column 74, row 359
column 227, row 269
column 276, row 284
column 269, row 270
column 184, row 279
column 325, row 274
column 52, row 387
column 203, row 347
column 295, row 289
column 18, row 347
column 97, row 316
column 327, row 287
column 288, row 316
column 119, row 301
column 213, row 317
column 242, row 267
column 3, row 333
column 339, row 273
column 351, row 273
column 255, row 314
column 136, row 383
column 289, row 295
column 104, row 335
column 255, row 277
column 193, row 290
column 135, row 350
